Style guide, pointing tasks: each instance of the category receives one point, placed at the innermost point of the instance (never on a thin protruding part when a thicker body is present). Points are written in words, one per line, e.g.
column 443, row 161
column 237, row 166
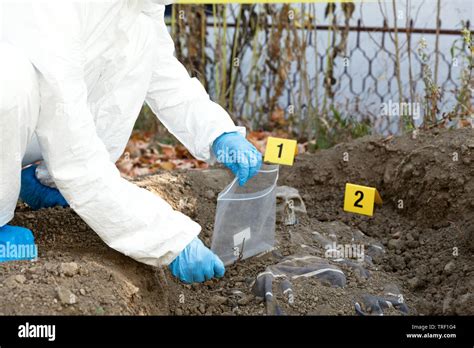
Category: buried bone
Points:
column 365, row 251
column 289, row 205
column 355, row 266
column 376, row 305
column 291, row 268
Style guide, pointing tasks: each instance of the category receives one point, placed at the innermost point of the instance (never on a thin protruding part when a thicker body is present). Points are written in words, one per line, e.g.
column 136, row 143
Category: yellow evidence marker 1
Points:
column 281, row 151
column 360, row 199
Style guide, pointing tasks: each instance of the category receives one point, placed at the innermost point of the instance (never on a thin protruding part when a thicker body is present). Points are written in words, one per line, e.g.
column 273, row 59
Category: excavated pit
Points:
column 425, row 226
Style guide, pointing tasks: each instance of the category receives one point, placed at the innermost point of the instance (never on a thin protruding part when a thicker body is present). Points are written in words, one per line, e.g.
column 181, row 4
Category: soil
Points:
column 425, row 226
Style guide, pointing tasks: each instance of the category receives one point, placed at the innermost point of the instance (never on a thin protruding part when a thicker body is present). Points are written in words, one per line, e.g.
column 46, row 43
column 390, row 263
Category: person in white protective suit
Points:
column 73, row 78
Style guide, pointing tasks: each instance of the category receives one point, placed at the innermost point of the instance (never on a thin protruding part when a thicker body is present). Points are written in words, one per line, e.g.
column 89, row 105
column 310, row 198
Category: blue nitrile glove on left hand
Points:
column 37, row 195
column 237, row 154
column 18, row 240
column 197, row 263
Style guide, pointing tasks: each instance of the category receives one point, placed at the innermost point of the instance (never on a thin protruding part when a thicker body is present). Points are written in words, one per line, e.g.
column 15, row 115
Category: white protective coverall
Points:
column 73, row 77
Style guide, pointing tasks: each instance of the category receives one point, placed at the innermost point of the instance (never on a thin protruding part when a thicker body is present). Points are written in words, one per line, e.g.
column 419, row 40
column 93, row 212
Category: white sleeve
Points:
column 181, row 102
column 129, row 219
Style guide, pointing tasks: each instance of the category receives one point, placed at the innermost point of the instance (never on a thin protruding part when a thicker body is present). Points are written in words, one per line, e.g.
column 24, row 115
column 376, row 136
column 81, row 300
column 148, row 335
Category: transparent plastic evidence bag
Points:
column 245, row 217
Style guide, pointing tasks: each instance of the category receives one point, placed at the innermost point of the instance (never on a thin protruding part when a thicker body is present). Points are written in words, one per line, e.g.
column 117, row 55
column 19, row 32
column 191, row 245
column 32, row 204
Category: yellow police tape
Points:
column 264, row 1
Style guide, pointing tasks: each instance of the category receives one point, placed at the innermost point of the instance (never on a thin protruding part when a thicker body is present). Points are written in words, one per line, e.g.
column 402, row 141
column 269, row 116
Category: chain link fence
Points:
column 275, row 66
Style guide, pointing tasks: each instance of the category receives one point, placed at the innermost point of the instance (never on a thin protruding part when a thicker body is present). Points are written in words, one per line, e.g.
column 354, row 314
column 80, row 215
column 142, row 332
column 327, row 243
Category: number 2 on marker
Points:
column 360, row 194
column 360, row 199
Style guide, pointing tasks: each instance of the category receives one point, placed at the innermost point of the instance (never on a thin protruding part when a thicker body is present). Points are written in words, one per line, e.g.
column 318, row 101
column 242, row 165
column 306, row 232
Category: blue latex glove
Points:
column 37, row 195
column 16, row 236
column 237, row 154
column 197, row 263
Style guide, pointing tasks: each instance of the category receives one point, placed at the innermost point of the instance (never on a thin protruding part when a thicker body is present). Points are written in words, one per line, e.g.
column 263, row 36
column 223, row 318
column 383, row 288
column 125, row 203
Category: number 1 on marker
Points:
column 281, row 149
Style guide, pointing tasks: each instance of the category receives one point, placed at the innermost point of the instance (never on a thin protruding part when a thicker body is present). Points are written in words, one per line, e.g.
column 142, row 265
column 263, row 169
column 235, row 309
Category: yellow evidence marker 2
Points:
column 360, row 199
column 281, row 151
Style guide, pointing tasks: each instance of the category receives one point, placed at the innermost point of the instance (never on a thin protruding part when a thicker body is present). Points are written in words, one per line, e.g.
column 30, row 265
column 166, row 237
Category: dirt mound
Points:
column 76, row 273
column 427, row 220
column 428, row 175
column 425, row 229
